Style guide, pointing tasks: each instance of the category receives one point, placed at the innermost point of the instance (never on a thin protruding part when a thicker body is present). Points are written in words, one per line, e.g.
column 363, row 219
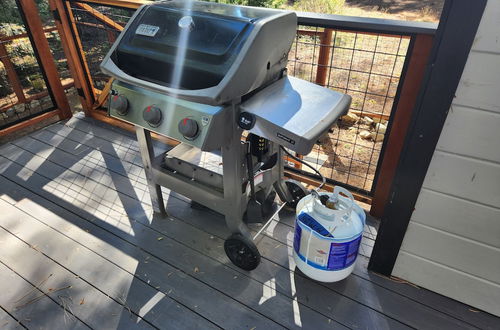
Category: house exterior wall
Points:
column 452, row 244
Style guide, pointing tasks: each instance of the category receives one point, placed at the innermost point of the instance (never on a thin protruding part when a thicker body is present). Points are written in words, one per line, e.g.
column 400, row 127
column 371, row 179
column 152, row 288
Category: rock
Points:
column 377, row 137
column 364, row 134
column 349, row 119
column 367, row 120
column 380, row 128
column 354, row 129
column 10, row 112
column 379, row 121
column 19, row 108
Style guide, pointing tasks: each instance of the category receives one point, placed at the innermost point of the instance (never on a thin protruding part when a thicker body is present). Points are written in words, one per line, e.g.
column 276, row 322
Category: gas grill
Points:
column 207, row 75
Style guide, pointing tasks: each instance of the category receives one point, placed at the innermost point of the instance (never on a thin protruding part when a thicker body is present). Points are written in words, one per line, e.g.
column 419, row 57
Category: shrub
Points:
column 320, row 6
column 255, row 3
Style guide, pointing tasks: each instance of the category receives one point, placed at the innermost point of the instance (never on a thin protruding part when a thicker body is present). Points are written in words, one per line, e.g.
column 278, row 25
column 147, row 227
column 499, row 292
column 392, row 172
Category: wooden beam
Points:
column 132, row 4
column 325, row 48
column 413, row 78
column 25, row 35
column 34, row 27
column 12, row 76
column 71, row 52
column 36, row 96
column 328, row 187
column 87, row 76
column 103, row 95
column 101, row 17
column 370, row 114
column 29, row 122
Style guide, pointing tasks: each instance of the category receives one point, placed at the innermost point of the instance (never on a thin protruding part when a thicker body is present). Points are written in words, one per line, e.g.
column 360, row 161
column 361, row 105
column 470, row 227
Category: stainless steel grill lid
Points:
column 203, row 52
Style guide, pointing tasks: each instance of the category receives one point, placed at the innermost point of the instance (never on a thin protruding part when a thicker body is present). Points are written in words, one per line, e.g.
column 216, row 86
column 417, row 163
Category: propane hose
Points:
column 323, row 179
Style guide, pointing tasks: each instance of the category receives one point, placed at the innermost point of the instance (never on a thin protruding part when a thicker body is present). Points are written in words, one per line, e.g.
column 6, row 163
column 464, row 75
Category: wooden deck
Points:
column 80, row 249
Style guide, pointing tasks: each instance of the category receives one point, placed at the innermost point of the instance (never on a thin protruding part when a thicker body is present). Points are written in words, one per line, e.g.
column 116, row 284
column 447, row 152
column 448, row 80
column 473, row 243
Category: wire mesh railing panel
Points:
column 97, row 36
column 23, row 91
column 368, row 67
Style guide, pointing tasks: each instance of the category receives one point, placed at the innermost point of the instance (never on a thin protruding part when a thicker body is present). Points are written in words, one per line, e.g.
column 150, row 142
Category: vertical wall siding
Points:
column 452, row 244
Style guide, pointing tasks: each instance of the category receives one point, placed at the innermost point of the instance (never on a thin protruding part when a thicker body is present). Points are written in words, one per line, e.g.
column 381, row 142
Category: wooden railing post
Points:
column 36, row 33
column 324, row 57
column 419, row 56
column 11, row 73
column 74, row 53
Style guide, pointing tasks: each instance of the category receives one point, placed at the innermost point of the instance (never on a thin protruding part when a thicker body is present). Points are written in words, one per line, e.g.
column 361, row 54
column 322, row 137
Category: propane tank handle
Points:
column 346, row 192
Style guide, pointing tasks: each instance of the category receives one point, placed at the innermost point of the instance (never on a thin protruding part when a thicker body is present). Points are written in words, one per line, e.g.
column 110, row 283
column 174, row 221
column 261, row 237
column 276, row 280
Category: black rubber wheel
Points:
column 242, row 252
column 297, row 190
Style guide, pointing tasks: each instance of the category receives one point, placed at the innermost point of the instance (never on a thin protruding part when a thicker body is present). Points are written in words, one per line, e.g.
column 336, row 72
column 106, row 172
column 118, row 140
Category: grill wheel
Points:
column 242, row 252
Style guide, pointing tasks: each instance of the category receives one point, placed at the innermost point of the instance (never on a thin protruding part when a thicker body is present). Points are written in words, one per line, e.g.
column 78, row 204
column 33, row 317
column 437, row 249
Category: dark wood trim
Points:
column 34, row 27
column 419, row 57
column 454, row 38
column 29, row 122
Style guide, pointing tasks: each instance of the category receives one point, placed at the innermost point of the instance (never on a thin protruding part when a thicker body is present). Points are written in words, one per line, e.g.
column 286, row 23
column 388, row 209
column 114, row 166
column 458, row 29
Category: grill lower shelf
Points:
column 203, row 167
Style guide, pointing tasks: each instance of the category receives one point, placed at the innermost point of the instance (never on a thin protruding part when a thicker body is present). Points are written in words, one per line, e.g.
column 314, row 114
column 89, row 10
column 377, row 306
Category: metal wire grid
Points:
column 23, row 92
column 97, row 37
column 368, row 67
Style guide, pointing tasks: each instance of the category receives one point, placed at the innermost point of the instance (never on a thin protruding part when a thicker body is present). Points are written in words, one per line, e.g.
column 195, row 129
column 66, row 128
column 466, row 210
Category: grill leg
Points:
column 233, row 159
column 147, row 154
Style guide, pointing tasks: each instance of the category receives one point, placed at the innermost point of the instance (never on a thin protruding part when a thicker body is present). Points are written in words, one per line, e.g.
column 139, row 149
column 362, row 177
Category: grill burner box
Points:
column 203, row 73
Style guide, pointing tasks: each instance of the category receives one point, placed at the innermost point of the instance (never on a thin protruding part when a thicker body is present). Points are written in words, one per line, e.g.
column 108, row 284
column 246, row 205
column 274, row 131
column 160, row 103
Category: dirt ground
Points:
column 411, row 10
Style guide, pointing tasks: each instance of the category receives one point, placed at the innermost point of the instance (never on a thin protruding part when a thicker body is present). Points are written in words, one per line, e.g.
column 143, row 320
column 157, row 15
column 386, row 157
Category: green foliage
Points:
column 320, row 6
column 255, row 3
column 10, row 14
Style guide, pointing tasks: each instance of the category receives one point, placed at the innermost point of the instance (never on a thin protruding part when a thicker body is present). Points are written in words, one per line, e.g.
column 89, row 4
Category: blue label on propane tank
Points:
column 342, row 255
column 313, row 224
column 321, row 252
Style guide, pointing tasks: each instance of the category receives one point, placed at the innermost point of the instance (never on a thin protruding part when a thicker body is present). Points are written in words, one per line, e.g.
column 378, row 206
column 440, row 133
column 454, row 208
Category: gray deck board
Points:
column 350, row 313
column 87, row 303
column 247, row 292
column 78, row 189
column 30, row 306
column 158, row 276
column 7, row 322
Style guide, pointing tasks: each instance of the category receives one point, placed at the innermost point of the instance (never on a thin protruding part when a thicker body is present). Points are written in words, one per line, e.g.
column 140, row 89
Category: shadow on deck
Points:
column 81, row 249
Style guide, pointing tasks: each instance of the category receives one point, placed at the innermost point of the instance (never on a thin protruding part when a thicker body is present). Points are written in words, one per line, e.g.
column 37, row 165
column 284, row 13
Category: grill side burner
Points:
column 203, row 76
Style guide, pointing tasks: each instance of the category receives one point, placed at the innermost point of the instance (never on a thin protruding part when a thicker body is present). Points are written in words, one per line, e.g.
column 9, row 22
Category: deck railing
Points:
column 380, row 63
column 31, row 89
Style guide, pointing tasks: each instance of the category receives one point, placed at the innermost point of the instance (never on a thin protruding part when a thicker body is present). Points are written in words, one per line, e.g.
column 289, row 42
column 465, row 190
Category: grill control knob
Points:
column 188, row 128
column 152, row 115
column 119, row 104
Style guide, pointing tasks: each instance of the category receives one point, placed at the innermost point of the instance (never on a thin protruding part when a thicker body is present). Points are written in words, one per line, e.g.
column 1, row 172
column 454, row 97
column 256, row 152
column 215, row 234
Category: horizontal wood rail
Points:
column 37, row 96
column 25, row 35
column 29, row 122
column 101, row 17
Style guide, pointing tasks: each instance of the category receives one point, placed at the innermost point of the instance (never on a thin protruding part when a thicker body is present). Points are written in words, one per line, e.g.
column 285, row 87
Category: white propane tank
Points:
column 326, row 241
